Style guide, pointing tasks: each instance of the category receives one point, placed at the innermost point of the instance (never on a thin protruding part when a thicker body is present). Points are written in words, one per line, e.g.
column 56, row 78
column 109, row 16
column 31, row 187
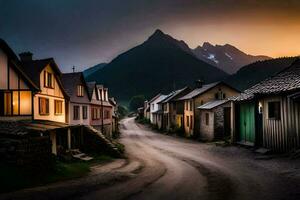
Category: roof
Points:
column 212, row 104
column 91, row 86
column 22, row 128
column 154, row 98
column 16, row 64
column 287, row 80
column 199, row 91
column 33, row 69
column 171, row 96
column 158, row 112
column 71, row 80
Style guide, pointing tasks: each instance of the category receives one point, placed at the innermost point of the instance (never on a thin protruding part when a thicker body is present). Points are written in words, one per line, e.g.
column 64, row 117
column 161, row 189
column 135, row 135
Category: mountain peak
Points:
column 207, row 45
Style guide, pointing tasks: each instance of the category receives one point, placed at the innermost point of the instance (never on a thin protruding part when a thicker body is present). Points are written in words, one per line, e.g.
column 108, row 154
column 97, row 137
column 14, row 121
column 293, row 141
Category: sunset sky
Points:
column 86, row 32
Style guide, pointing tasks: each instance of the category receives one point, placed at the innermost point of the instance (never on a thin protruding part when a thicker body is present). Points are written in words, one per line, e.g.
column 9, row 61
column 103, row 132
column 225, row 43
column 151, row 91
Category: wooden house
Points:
column 16, row 88
column 50, row 102
column 169, row 108
column 79, row 104
column 215, row 119
column 267, row 114
column 199, row 96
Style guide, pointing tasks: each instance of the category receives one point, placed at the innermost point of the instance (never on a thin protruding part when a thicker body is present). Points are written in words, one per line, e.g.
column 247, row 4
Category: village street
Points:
column 166, row 167
column 176, row 168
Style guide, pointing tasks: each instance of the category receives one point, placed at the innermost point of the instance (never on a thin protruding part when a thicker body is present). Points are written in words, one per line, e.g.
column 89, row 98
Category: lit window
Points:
column 25, row 103
column 48, row 80
column 80, row 90
column 7, row 103
column 43, row 106
column 58, row 107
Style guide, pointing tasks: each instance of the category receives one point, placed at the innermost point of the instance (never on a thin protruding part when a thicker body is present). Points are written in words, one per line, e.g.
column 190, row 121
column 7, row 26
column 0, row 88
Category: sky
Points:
column 83, row 33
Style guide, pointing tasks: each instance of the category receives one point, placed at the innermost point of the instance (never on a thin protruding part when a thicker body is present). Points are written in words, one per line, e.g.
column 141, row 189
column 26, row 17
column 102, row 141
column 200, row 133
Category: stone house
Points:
column 215, row 120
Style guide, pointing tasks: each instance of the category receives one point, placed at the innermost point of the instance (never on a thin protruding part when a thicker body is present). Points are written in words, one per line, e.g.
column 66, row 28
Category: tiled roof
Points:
column 34, row 68
column 173, row 95
column 212, row 104
column 198, row 91
column 284, row 81
column 70, row 81
column 91, row 86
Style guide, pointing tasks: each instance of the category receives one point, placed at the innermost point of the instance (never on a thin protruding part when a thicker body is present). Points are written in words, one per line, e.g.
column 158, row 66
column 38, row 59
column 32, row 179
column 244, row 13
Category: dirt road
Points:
column 165, row 167
column 173, row 168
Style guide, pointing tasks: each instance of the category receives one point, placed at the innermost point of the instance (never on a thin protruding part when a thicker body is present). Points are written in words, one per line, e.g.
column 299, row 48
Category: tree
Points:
column 136, row 102
column 122, row 111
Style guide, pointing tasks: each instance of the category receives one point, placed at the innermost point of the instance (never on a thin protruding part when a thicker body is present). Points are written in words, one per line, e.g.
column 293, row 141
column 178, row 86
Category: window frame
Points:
column 84, row 112
column 47, row 108
column 76, row 115
column 56, row 101
column 46, row 80
column 80, row 91
column 274, row 108
column 207, row 119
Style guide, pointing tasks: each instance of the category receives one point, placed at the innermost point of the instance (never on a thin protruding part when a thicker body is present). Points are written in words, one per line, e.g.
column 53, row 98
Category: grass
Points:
column 14, row 178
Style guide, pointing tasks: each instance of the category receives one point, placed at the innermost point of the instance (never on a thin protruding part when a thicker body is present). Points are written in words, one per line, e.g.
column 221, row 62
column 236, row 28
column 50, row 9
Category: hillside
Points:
column 258, row 71
column 93, row 69
column 226, row 57
column 160, row 64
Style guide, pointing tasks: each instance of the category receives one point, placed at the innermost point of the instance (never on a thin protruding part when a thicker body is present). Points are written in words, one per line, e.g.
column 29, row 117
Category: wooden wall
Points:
column 282, row 134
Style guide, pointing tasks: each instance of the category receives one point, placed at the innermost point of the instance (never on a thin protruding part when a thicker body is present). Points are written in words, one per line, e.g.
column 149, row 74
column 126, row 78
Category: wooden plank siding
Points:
column 282, row 134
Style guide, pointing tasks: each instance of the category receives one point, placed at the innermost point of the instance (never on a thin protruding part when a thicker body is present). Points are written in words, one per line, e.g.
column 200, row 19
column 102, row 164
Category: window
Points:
column 106, row 114
column 186, row 105
column 7, row 103
column 84, row 112
column 48, row 80
column 274, row 110
column 187, row 121
column 201, row 102
column 76, row 112
column 191, row 124
column 152, row 106
column 95, row 113
column 191, row 105
column 43, row 106
column 25, row 103
column 206, row 119
column 80, row 90
column 58, row 107
column 15, row 103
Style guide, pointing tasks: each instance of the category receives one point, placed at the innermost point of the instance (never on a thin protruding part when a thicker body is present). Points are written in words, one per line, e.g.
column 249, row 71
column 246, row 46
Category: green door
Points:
column 247, row 123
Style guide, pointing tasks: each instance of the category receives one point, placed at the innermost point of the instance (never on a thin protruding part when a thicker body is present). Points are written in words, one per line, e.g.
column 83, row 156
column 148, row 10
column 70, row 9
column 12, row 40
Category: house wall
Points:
column 3, row 70
column 80, row 120
column 10, row 80
column 200, row 100
column 51, row 94
column 281, row 134
column 207, row 131
column 155, row 107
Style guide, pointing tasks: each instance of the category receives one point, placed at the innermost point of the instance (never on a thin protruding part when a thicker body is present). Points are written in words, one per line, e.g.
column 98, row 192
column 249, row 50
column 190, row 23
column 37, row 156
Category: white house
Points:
column 154, row 107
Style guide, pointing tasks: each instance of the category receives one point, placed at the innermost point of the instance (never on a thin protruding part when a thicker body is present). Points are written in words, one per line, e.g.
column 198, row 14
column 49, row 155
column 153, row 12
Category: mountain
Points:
column 226, row 57
column 253, row 73
column 160, row 64
column 93, row 69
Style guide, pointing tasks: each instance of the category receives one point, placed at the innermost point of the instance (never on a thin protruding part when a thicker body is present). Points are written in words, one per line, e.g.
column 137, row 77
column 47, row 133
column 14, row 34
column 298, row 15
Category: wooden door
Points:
column 247, row 123
column 227, row 121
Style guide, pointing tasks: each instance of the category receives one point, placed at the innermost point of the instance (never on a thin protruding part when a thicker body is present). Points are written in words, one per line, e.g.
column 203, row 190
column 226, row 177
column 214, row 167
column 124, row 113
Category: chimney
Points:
column 199, row 83
column 26, row 56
